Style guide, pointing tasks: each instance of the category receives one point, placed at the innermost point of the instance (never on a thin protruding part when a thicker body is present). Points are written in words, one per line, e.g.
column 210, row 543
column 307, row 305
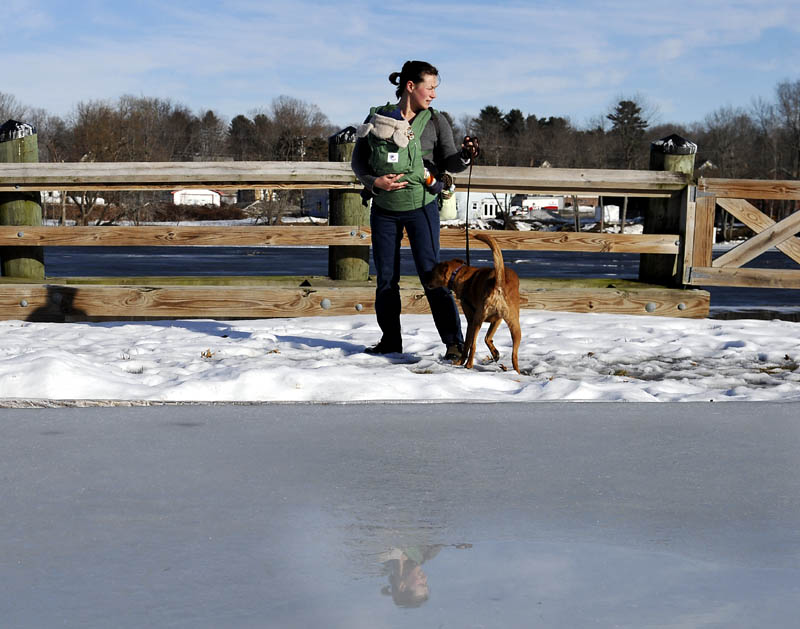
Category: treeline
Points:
column 759, row 142
column 154, row 129
column 141, row 129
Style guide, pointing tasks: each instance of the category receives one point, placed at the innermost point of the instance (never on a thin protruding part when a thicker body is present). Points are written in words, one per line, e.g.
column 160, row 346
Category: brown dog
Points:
column 486, row 294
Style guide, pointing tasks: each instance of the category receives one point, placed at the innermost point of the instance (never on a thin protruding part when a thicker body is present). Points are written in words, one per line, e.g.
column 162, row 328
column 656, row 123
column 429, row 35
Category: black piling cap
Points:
column 13, row 130
column 345, row 136
column 674, row 145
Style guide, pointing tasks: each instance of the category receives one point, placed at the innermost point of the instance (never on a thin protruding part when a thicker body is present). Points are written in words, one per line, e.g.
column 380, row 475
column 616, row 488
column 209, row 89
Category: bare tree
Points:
column 765, row 119
column 97, row 135
column 11, row 108
column 727, row 140
column 270, row 210
column 788, row 111
column 211, row 137
column 294, row 123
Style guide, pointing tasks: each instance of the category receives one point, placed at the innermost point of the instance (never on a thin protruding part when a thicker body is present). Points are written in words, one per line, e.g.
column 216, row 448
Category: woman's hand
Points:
column 470, row 148
column 390, row 182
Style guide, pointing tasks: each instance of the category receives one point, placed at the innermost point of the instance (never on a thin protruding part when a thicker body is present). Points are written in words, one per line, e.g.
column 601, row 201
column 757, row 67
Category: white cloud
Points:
column 541, row 59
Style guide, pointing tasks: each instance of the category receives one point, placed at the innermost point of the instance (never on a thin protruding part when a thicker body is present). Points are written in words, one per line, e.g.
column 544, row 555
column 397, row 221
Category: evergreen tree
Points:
column 628, row 127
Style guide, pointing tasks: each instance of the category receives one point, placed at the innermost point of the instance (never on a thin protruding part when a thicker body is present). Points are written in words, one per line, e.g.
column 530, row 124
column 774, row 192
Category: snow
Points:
column 563, row 356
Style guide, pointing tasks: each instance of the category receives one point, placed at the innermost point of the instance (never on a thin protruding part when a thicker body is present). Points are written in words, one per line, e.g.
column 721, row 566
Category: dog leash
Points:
column 469, row 183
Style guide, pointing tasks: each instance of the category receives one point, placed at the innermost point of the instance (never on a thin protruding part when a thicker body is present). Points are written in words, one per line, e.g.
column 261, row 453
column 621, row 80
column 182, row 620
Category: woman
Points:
column 399, row 149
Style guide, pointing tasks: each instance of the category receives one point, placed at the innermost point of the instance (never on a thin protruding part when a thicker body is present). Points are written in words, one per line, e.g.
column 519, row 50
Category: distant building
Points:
column 482, row 205
column 315, row 203
column 196, row 197
column 542, row 203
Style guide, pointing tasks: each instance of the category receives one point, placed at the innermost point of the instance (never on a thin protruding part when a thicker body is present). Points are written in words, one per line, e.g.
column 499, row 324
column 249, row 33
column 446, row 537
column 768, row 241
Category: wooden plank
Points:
column 756, row 220
column 570, row 241
column 704, row 231
column 244, row 175
column 319, row 281
column 573, row 181
column 688, row 228
column 158, row 235
column 754, row 278
column 320, row 235
column 755, row 246
column 656, row 302
column 43, row 302
column 750, row 188
column 170, row 175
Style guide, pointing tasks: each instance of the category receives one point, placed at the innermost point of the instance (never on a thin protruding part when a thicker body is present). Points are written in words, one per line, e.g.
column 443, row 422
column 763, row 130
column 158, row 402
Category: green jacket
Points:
column 387, row 158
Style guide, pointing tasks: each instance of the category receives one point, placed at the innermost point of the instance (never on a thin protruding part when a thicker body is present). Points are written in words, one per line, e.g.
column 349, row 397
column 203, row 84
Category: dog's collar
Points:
column 452, row 280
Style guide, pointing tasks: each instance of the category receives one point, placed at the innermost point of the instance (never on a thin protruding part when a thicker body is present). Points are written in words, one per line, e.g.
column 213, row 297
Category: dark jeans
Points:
column 422, row 227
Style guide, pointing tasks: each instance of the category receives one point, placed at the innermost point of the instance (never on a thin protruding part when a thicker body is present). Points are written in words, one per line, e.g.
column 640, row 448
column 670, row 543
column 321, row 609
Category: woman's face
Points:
column 422, row 94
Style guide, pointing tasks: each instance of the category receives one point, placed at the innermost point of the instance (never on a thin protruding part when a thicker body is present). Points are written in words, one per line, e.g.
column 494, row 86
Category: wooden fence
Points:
column 164, row 296
column 727, row 269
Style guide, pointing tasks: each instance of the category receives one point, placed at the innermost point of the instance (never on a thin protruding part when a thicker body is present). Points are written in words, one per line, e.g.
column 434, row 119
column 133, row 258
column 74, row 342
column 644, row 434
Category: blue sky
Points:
column 574, row 58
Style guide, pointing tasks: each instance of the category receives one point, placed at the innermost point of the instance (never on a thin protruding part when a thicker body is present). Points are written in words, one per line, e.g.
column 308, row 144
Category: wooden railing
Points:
column 727, row 269
column 318, row 235
column 325, row 175
column 264, row 297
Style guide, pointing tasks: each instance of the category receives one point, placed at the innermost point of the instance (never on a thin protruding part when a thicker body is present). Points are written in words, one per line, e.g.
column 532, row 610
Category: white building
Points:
column 482, row 205
column 196, row 197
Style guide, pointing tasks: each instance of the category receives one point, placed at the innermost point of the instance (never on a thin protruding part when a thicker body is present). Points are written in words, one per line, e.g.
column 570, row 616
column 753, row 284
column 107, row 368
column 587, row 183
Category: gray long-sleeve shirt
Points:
column 439, row 148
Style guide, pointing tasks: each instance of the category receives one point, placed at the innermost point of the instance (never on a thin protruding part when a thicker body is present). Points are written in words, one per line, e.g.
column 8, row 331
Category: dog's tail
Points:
column 497, row 255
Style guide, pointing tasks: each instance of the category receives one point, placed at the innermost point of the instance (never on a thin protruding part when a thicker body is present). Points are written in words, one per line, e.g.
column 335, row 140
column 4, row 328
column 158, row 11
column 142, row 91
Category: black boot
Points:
column 454, row 352
column 385, row 347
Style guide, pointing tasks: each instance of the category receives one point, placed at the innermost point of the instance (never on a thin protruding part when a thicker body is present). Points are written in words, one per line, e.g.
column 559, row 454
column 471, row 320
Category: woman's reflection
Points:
column 408, row 583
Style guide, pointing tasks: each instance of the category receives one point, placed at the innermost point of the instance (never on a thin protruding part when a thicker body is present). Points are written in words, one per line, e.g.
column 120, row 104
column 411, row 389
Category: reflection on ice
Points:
column 408, row 582
column 557, row 583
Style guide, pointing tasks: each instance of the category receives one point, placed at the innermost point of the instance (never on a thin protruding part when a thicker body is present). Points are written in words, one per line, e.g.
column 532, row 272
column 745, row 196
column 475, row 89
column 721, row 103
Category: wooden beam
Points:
column 573, row 181
column 529, row 284
column 755, row 246
column 569, row 241
column 51, row 302
column 753, row 278
column 656, row 301
column 750, row 188
column 78, row 176
column 756, row 220
column 333, row 175
column 158, row 235
column 689, row 229
column 319, row 235
column 704, row 231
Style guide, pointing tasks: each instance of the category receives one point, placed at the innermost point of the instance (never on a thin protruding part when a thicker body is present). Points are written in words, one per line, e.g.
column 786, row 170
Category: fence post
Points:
column 346, row 262
column 19, row 144
column 666, row 215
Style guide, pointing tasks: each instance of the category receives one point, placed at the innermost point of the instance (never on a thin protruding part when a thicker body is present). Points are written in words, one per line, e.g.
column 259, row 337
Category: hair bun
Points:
column 394, row 78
